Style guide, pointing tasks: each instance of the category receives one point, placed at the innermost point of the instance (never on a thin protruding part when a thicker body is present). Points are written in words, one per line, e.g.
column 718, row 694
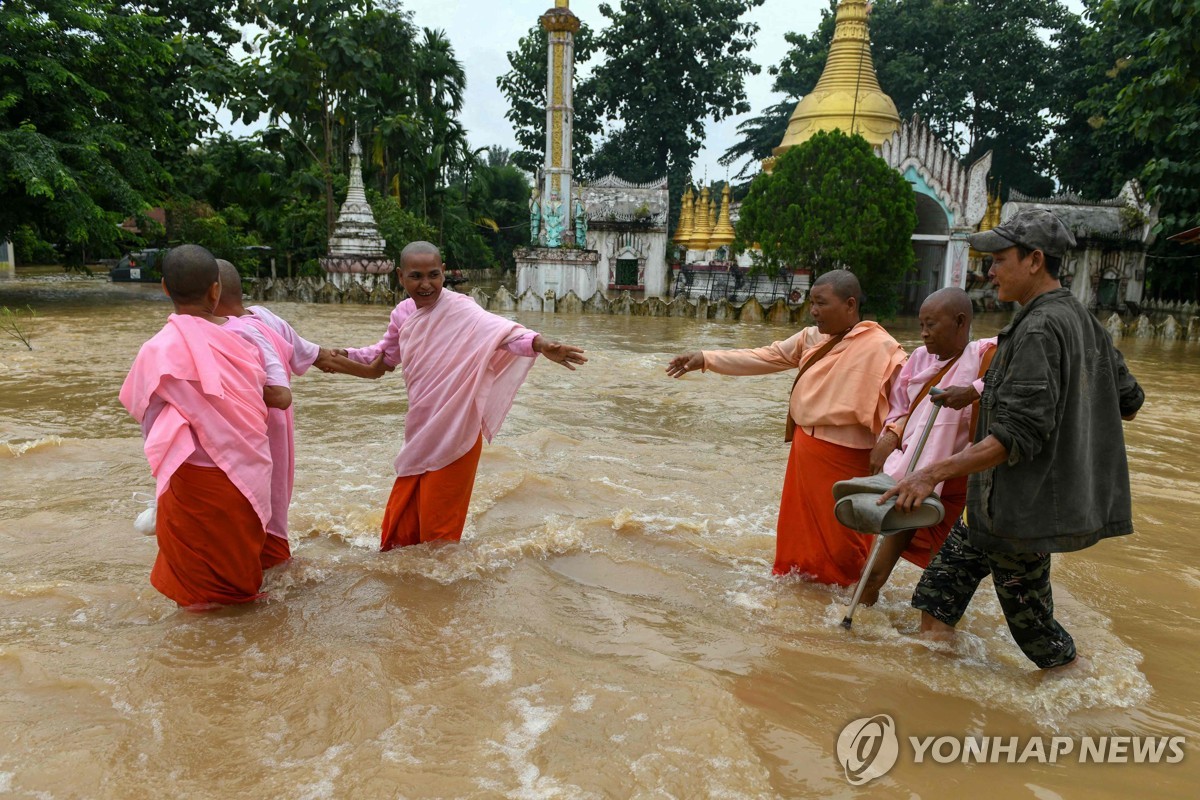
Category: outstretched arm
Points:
column 388, row 346
column 683, row 364
column 335, row 361
column 566, row 354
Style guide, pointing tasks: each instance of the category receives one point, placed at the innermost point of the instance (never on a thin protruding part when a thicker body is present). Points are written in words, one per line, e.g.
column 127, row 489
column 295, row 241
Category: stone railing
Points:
column 1156, row 320
column 377, row 291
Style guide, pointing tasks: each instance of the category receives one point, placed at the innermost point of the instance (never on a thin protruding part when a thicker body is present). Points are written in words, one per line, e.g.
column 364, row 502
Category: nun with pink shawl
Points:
column 462, row 367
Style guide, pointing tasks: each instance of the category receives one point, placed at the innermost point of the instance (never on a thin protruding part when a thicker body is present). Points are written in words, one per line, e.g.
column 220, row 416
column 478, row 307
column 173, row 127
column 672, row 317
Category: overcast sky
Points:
column 483, row 31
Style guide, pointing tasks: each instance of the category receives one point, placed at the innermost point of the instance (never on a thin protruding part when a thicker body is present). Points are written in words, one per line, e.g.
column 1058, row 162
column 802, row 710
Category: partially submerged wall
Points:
column 1156, row 320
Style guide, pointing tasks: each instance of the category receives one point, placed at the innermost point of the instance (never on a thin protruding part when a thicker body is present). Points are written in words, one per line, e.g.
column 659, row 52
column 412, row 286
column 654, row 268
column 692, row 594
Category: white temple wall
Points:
column 648, row 247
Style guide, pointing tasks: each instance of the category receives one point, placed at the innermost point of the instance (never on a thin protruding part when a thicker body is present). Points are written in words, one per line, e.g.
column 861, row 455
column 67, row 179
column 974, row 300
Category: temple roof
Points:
column 847, row 96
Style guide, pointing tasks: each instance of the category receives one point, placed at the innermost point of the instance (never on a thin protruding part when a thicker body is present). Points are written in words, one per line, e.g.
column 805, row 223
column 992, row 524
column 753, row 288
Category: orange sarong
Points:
column 927, row 541
column 809, row 540
column 210, row 540
column 431, row 506
column 276, row 550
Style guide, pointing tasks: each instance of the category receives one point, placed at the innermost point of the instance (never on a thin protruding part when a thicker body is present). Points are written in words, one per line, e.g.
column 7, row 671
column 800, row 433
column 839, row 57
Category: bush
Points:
column 831, row 203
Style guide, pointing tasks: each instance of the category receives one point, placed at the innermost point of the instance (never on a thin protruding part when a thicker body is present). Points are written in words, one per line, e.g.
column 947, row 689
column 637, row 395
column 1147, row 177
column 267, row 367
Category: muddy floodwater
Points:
column 608, row 626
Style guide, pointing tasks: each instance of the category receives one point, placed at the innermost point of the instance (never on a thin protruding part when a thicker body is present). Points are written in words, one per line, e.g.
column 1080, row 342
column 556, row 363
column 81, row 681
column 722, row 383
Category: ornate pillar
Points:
column 560, row 25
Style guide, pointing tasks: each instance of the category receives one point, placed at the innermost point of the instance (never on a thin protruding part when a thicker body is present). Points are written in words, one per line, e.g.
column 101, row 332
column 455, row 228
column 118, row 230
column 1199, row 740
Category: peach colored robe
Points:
column 839, row 406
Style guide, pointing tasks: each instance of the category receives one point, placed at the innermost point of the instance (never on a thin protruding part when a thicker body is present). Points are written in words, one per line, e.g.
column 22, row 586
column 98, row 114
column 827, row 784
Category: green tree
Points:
column 981, row 74
column 670, row 68
column 98, row 99
column 1134, row 110
column 524, row 86
column 795, row 77
column 305, row 73
column 319, row 68
column 1092, row 156
column 831, row 203
column 397, row 225
column 1158, row 103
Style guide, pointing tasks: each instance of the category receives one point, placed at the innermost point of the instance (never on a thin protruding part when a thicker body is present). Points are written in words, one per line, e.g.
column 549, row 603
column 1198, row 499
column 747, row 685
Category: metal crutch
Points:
column 877, row 542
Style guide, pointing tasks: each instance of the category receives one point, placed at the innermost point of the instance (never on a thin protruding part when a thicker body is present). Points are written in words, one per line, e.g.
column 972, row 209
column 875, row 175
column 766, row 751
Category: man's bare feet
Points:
column 934, row 630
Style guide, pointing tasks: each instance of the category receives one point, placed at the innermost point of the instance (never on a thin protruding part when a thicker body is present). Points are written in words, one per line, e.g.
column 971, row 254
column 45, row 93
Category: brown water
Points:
column 607, row 628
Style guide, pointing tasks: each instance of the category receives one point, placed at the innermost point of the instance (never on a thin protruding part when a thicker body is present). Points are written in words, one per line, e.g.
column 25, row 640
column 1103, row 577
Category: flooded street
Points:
column 608, row 627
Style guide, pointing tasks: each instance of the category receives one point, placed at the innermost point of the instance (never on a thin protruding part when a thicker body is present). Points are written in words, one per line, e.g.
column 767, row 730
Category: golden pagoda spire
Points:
column 687, row 218
column 847, row 96
column 704, row 226
column 723, row 233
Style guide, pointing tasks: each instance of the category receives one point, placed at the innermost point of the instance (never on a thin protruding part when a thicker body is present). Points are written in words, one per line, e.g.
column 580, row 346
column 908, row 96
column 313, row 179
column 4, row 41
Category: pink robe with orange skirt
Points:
column 206, row 386
column 462, row 366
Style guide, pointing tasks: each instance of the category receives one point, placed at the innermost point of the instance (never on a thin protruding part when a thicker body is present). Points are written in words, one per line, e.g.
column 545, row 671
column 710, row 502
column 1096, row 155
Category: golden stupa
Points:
column 687, row 218
column 704, row 224
column 847, row 96
column 723, row 233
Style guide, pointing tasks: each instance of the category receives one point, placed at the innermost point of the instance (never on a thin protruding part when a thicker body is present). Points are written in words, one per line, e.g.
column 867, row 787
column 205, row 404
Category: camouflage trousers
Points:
column 1022, row 582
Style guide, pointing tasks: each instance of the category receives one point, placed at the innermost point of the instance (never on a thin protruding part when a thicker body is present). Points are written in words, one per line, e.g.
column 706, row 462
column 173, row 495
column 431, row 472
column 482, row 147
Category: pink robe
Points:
column 210, row 381
column 460, row 373
column 304, row 352
column 951, row 431
column 277, row 355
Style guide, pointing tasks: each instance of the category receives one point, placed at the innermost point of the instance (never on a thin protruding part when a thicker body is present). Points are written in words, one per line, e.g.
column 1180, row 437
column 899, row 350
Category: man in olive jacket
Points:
column 1048, row 468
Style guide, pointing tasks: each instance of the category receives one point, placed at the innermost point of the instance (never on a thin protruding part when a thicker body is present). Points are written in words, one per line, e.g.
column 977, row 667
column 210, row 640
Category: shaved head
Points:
column 189, row 271
column 843, row 283
column 231, row 283
column 419, row 249
column 945, row 319
column 950, row 301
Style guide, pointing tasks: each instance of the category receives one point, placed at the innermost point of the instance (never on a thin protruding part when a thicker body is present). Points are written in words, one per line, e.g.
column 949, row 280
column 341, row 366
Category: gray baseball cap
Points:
column 1033, row 229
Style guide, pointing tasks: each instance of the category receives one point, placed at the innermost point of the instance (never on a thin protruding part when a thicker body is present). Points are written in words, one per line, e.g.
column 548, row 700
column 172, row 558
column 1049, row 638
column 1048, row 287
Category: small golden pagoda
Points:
column 687, row 218
column 704, row 224
column 723, row 233
column 847, row 96
column 990, row 220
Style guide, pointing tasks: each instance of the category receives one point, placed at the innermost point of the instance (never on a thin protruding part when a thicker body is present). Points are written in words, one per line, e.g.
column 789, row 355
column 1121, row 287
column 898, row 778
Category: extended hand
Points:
column 886, row 445
column 955, row 397
column 566, row 354
column 376, row 369
column 324, row 360
column 911, row 491
column 683, row 364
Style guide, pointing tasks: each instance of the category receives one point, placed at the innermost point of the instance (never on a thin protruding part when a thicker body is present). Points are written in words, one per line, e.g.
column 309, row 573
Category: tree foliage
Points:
column 670, row 67
column 981, row 74
column 98, row 99
column 831, row 203
column 660, row 72
column 1158, row 102
column 524, row 86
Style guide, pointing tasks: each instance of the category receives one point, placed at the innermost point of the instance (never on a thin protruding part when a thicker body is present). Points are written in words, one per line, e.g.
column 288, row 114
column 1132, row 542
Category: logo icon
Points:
column 868, row 748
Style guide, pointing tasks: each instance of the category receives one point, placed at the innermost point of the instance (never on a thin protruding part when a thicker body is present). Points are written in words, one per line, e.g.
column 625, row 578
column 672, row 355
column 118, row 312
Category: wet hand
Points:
column 683, row 364
column 566, row 354
column 883, row 448
column 955, row 397
column 911, row 491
